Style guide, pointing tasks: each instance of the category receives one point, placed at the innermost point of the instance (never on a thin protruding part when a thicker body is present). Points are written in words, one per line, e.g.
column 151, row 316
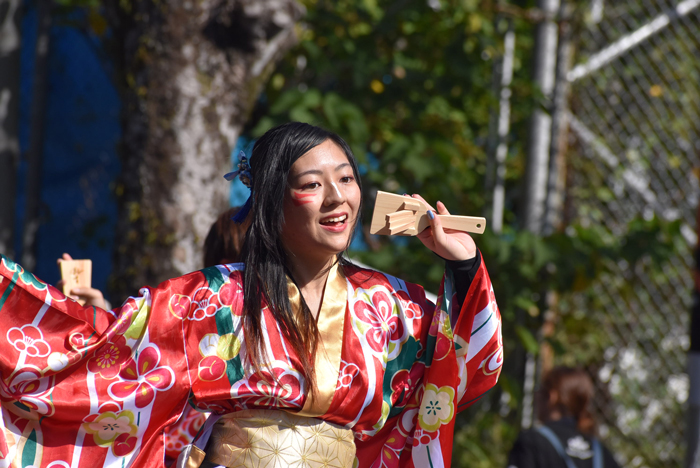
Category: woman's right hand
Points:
column 449, row 244
column 87, row 296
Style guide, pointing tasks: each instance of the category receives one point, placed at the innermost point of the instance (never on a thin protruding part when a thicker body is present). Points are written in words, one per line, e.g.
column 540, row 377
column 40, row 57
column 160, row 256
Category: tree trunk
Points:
column 192, row 73
column 37, row 125
column 9, row 119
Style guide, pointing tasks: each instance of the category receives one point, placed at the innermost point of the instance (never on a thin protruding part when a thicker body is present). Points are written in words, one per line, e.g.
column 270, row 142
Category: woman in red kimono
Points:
column 304, row 358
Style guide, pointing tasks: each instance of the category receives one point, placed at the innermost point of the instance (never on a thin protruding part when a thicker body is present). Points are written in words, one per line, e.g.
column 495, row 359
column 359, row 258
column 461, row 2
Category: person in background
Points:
column 224, row 242
column 566, row 438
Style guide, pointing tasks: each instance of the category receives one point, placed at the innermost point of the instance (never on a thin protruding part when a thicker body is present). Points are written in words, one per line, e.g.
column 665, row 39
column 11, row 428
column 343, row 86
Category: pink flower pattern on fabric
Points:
column 107, row 426
column 410, row 309
column 231, row 295
column 144, row 379
column 266, row 391
column 391, row 451
column 403, row 384
column 31, row 389
column 386, row 329
column 110, row 358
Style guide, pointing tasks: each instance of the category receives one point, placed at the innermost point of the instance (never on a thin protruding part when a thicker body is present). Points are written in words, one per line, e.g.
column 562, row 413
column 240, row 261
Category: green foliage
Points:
column 407, row 86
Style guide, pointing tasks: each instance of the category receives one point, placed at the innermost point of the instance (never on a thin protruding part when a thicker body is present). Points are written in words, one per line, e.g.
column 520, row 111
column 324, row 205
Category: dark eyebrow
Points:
column 312, row 171
column 317, row 172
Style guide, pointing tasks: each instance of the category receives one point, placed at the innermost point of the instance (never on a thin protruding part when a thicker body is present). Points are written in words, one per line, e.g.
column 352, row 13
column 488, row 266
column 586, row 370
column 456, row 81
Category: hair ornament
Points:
column 243, row 172
column 244, row 175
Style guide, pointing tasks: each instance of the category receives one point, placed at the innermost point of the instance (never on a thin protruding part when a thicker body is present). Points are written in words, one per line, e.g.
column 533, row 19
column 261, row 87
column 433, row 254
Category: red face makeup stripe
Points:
column 300, row 198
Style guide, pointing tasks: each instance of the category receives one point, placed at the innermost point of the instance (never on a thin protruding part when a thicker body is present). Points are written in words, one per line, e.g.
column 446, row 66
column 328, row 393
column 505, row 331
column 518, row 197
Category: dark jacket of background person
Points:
column 566, row 394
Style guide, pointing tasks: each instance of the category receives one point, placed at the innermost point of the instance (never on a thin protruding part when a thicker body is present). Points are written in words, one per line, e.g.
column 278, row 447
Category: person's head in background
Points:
column 225, row 239
column 567, row 392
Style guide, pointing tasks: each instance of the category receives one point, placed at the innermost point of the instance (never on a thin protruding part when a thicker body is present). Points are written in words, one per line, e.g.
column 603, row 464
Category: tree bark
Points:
column 37, row 124
column 192, row 72
column 10, row 36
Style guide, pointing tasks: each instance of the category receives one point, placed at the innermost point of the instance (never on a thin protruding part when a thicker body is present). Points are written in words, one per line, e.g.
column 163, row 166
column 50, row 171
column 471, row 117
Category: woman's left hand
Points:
column 447, row 243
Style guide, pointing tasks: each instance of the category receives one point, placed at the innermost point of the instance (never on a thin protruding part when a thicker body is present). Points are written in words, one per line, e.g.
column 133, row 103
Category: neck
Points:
column 310, row 276
column 308, row 273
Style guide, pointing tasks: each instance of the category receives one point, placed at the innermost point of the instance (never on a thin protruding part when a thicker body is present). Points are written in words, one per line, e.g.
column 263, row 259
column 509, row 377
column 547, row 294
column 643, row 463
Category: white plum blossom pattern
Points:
column 348, row 372
column 29, row 339
column 437, row 407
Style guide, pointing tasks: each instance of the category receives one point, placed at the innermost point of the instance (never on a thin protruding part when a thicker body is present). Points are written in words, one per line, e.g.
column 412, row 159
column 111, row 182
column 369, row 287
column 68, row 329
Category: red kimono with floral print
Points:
column 82, row 387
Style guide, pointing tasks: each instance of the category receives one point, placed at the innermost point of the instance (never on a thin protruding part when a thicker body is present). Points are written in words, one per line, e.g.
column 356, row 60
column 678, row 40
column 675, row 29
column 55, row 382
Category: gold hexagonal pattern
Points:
column 277, row 439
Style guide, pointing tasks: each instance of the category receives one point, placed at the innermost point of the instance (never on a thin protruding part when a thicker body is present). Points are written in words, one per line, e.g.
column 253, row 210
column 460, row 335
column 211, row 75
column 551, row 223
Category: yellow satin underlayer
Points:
column 273, row 438
column 331, row 323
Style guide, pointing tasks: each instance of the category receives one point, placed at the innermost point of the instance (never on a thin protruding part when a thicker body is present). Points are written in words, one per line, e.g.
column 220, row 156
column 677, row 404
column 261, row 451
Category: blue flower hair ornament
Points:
column 243, row 172
column 244, row 175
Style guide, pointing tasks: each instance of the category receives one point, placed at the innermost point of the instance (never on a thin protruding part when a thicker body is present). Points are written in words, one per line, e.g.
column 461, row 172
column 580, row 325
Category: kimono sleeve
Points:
column 459, row 376
column 476, row 337
column 461, row 354
column 85, row 387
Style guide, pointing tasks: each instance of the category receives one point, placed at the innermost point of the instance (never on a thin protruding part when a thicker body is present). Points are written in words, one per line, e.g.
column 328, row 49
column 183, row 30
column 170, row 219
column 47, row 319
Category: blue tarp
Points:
column 80, row 159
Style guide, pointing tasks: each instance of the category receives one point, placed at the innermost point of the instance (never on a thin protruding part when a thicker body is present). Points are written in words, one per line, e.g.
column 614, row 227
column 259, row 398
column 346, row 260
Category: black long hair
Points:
column 263, row 253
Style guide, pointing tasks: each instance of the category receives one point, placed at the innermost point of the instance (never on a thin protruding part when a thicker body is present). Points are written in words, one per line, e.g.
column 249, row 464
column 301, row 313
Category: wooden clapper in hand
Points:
column 406, row 216
column 76, row 274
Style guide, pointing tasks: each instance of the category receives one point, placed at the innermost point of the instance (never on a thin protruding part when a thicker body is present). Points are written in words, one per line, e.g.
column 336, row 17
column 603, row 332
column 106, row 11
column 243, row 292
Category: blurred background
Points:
column 573, row 126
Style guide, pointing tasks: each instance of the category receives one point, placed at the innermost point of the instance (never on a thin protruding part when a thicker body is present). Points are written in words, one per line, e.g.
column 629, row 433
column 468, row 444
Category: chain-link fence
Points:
column 634, row 142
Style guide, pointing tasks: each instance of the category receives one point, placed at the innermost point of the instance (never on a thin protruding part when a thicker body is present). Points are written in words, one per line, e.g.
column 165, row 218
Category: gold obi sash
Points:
column 273, row 438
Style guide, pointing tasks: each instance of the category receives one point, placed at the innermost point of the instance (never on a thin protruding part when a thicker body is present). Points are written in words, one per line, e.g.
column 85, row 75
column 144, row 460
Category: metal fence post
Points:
column 541, row 126
column 538, row 159
column 500, row 127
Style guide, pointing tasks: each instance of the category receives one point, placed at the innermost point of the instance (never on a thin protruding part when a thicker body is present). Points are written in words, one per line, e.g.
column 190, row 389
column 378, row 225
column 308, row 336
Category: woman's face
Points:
column 321, row 203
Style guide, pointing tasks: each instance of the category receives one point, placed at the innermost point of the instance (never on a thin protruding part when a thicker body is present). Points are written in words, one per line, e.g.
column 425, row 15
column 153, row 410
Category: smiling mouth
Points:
column 336, row 221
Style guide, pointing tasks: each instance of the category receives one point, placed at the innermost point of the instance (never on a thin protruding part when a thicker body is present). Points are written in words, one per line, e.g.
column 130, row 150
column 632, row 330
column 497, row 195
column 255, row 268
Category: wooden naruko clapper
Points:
column 407, row 216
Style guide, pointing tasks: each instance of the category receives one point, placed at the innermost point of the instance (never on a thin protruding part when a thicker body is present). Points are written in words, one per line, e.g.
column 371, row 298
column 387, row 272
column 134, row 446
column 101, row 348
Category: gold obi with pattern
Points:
column 273, row 438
